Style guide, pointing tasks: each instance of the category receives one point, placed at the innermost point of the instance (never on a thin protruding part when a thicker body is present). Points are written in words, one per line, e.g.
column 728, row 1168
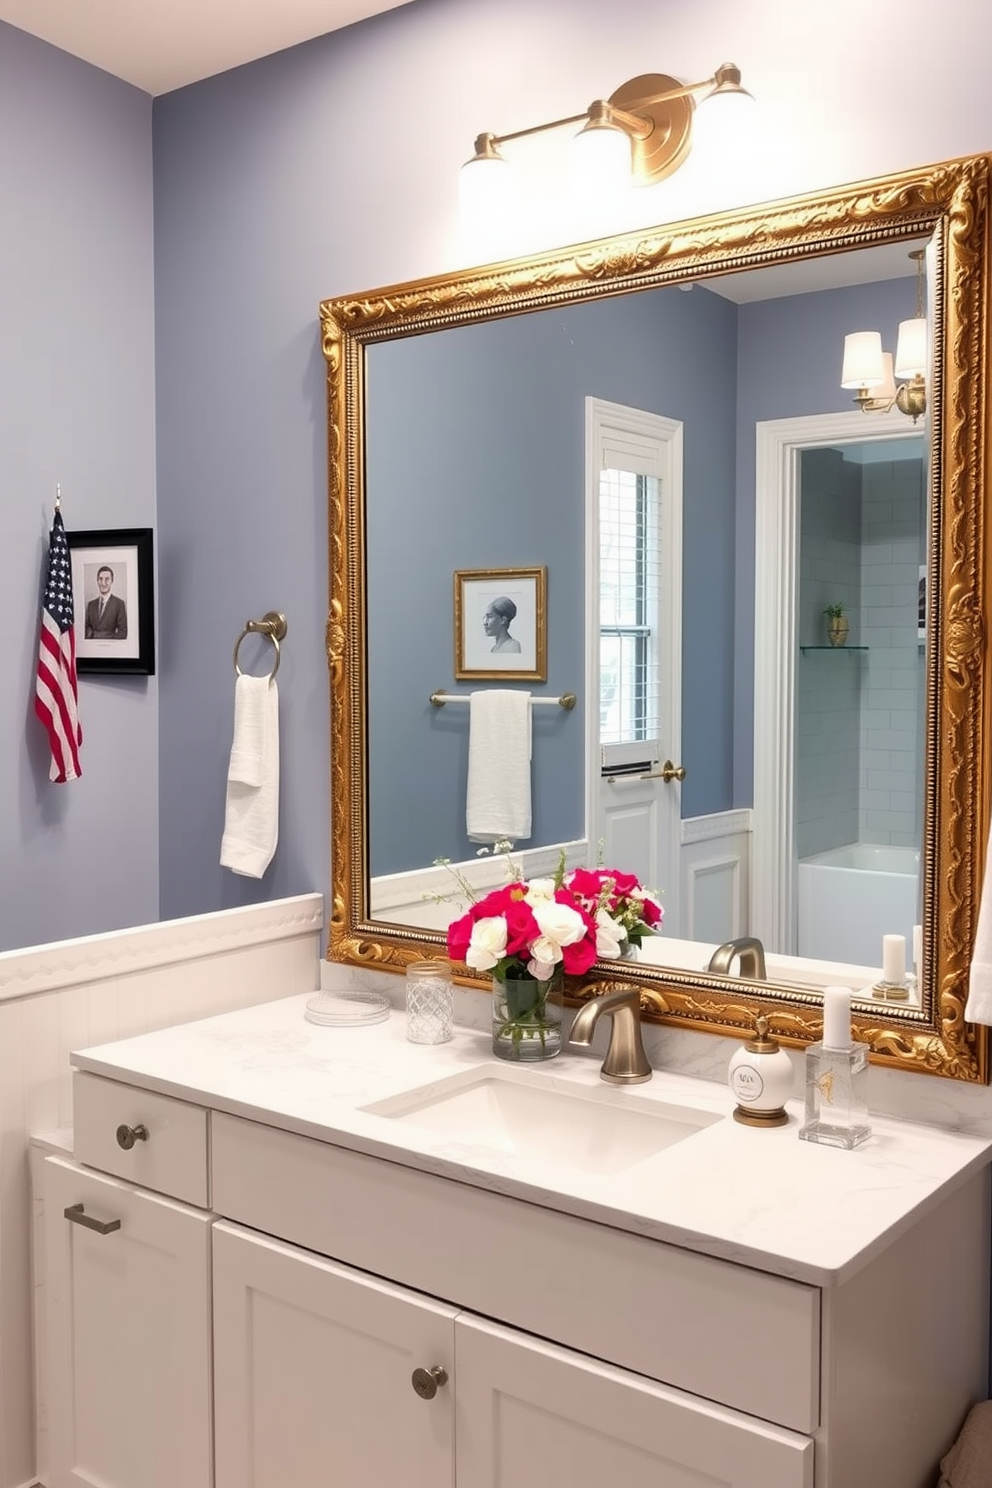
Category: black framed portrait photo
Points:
column 113, row 600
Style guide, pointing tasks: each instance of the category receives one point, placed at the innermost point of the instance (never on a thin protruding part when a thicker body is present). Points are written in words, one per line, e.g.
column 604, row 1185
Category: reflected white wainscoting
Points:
column 431, row 898
column 715, row 863
column 714, row 880
column 65, row 996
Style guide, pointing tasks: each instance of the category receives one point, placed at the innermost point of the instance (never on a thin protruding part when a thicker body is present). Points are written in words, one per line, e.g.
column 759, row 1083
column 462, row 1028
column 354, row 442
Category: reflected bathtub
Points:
column 851, row 896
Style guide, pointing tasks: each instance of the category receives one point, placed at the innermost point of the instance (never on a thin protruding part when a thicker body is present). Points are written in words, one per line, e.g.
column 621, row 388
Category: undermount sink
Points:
column 595, row 1131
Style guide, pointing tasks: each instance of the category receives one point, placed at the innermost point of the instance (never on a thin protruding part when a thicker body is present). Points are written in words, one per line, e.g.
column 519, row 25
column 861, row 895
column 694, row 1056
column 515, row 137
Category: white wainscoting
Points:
column 715, row 861
column 72, row 994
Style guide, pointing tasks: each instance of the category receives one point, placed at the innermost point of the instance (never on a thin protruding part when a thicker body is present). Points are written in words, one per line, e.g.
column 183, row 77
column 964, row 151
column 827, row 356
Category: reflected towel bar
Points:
column 273, row 624
column 566, row 701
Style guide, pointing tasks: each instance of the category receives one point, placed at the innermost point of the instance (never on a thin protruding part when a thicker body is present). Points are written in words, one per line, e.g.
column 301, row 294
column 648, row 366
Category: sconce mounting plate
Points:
column 662, row 151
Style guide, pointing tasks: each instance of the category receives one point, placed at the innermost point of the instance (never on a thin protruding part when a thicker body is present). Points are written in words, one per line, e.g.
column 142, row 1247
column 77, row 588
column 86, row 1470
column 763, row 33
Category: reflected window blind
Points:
column 629, row 562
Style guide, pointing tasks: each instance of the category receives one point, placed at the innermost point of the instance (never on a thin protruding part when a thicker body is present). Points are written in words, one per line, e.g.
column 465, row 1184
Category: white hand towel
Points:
column 251, row 820
column 978, row 1008
column 498, row 803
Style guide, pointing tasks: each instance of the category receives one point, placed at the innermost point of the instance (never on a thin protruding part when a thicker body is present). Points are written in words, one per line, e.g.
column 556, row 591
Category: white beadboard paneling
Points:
column 54, row 999
column 95, row 958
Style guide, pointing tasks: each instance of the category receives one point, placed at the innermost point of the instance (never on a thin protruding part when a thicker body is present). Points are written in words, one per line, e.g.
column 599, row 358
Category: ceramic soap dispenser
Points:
column 761, row 1078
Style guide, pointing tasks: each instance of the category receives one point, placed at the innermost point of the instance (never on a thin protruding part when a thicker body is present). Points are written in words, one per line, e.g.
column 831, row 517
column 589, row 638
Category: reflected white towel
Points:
column 498, row 803
column 978, row 1008
column 251, row 820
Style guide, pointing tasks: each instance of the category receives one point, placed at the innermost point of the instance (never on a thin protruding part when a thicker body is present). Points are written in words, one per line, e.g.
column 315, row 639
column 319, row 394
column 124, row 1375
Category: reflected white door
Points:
column 634, row 643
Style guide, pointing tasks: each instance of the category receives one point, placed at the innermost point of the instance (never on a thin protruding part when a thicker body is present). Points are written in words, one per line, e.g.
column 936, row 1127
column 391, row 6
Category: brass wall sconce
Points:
column 642, row 132
column 871, row 372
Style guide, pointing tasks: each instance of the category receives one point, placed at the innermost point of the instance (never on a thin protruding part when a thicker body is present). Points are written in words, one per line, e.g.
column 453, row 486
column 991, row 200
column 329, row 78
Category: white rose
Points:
column 488, row 943
column 539, row 891
column 609, row 934
column 560, row 925
column 541, row 971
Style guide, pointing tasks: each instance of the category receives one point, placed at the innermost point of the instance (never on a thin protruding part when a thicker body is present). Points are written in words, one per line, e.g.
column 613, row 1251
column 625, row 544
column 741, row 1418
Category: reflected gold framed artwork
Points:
column 501, row 624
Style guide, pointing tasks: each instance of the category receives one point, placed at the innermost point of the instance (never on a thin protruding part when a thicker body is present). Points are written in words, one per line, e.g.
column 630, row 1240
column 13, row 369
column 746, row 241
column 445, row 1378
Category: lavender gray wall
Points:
column 277, row 186
column 77, row 401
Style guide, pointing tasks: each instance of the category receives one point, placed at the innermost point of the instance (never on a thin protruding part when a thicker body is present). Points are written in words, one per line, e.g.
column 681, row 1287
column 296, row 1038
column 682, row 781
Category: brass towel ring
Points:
column 273, row 625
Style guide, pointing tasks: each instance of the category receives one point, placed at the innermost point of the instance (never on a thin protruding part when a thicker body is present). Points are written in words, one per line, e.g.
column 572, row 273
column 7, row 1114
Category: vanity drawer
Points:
column 172, row 1159
column 722, row 1331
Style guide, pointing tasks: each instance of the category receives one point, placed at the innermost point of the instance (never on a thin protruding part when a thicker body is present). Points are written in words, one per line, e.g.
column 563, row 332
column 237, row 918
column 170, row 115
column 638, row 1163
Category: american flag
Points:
column 55, row 690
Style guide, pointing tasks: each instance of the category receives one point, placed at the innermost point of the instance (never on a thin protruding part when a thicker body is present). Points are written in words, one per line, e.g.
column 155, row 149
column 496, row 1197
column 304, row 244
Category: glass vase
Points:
column 527, row 1018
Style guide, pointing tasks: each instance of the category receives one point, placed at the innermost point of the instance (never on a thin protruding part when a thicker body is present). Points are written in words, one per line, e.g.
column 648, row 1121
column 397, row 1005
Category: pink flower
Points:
column 459, row 936
column 553, row 923
column 652, row 912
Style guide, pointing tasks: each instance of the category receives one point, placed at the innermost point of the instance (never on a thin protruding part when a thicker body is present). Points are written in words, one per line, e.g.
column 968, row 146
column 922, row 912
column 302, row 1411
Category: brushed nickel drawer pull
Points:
column 128, row 1135
column 427, row 1381
column 76, row 1214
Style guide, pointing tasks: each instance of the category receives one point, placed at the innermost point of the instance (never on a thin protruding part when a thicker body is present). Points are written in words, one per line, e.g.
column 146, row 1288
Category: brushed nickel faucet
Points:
column 626, row 1062
column 751, row 953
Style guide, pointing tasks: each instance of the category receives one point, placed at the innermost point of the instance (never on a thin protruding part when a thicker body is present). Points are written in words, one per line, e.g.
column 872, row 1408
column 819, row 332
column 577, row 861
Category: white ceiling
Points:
column 164, row 45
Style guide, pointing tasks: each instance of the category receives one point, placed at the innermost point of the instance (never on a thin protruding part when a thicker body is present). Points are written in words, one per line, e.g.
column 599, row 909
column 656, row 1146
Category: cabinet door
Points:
column 528, row 1412
column 128, row 1335
column 312, row 1373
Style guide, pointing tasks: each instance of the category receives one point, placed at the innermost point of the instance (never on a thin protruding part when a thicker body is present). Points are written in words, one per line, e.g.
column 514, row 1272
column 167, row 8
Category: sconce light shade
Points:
column 863, row 364
column 600, row 156
column 911, row 348
column 485, row 183
column 886, row 389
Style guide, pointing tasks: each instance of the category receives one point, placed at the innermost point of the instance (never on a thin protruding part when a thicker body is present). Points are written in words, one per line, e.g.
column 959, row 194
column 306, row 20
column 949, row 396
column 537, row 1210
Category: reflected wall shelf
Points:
column 804, row 649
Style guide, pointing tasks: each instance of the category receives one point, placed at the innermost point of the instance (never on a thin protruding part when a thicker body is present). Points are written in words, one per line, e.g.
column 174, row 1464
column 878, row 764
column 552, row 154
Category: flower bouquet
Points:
column 530, row 935
column 621, row 902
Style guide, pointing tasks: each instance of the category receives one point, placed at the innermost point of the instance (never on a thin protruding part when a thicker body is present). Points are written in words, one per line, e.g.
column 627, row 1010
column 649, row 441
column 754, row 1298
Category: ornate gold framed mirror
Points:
column 382, row 480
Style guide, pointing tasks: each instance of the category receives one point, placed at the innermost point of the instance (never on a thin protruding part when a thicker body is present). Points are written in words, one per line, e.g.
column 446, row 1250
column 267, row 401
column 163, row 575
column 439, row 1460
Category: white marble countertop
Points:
column 754, row 1196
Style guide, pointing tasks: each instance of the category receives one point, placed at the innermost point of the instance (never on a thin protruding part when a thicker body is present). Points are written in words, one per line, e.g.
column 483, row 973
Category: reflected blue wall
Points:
column 476, row 459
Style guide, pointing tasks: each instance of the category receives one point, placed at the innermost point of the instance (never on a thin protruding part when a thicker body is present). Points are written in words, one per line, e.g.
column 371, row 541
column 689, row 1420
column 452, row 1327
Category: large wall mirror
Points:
column 474, row 424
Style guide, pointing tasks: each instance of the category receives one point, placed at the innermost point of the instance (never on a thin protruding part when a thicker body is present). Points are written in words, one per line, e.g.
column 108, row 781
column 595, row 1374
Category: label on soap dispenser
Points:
column 746, row 1084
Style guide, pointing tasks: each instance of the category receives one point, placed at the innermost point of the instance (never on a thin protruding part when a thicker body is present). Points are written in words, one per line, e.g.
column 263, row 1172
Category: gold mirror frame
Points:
column 949, row 200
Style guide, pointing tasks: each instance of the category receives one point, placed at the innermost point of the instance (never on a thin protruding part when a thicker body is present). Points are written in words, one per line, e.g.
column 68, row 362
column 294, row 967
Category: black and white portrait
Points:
column 112, row 596
column 500, row 623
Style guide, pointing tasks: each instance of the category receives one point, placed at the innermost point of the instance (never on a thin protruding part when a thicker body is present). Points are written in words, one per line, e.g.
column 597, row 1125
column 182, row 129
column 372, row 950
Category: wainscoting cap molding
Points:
column 97, row 958
column 718, row 824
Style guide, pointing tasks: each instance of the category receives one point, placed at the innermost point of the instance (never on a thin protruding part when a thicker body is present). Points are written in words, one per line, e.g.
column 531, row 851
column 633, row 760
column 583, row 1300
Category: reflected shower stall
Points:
column 859, row 704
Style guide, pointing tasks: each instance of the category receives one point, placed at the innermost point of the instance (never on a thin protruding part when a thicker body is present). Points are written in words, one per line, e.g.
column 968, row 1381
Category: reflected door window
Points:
column 629, row 579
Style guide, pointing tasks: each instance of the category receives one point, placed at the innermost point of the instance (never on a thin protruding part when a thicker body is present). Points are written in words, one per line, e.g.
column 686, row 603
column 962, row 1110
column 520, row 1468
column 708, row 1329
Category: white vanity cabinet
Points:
column 314, row 1365
column 128, row 1303
column 277, row 1280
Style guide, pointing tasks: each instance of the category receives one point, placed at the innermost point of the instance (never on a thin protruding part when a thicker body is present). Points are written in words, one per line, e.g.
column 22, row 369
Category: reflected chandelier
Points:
column 871, row 373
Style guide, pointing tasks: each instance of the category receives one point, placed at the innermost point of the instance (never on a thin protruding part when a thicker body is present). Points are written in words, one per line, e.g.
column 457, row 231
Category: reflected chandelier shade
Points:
column 641, row 133
column 871, row 372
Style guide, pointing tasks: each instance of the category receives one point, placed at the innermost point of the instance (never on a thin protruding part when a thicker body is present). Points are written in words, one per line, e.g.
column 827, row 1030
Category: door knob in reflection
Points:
column 667, row 773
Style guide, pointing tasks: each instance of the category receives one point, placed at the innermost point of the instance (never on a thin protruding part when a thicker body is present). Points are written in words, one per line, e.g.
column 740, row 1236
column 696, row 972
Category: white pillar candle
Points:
column 837, row 1017
column 894, row 958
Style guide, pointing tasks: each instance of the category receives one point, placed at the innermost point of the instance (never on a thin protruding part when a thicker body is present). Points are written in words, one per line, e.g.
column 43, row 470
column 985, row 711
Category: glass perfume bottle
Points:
column 836, row 1072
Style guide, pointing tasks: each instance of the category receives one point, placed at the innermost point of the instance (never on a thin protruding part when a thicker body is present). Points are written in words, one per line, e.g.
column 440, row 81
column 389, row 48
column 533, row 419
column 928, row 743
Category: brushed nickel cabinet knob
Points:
column 426, row 1382
column 128, row 1135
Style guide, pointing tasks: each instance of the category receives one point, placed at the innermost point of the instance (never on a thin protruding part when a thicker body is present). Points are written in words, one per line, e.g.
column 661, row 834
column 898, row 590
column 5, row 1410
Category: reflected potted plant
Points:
column 837, row 624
